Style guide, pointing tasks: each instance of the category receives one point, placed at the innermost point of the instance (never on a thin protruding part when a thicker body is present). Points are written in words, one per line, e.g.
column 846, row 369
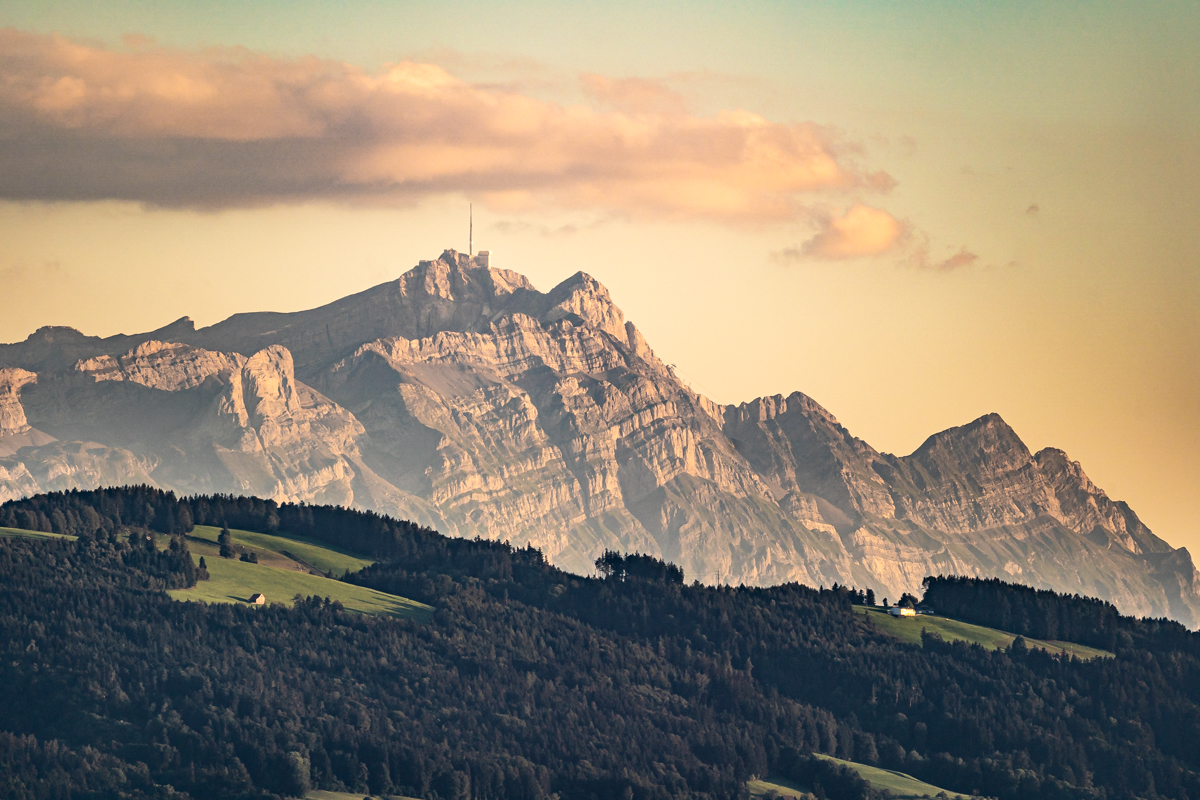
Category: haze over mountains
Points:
column 462, row 397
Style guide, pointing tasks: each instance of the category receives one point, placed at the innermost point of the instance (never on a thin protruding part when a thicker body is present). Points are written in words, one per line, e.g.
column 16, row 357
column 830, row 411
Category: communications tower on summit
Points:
column 484, row 257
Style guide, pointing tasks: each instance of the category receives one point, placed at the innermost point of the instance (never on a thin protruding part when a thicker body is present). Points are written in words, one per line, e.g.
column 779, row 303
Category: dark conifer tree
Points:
column 527, row 681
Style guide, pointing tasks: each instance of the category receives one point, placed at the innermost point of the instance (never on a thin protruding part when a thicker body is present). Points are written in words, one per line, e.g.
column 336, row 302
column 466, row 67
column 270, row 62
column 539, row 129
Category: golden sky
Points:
column 917, row 213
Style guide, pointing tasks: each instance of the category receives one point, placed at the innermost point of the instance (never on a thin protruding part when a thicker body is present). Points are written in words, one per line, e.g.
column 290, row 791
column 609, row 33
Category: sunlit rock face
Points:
column 971, row 500
column 12, row 413
column 462, row 397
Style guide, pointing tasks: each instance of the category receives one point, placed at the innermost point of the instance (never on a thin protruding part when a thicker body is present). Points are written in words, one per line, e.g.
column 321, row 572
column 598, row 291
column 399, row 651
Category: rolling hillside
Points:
column 529, row 681
column 287, row 552
column 286, row 566
column 32, row 534
column 277, row 576
column 235, row 581
column 901, row 785
column 909, row 630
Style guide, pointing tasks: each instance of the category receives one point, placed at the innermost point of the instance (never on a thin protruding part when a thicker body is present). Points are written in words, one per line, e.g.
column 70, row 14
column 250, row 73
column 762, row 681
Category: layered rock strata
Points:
column 462, row 397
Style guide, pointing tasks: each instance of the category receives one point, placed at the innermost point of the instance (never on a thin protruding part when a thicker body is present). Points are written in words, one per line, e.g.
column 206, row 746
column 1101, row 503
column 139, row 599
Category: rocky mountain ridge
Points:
column 461, row 396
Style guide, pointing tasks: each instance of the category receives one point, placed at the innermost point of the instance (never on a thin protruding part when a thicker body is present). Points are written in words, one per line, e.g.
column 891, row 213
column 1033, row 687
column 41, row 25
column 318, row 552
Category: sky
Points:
column 915, row 213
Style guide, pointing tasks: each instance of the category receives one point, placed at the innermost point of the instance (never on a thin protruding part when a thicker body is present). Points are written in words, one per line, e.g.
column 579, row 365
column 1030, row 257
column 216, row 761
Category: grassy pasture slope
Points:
column 902, row 786
column 234, row 581
column 271, row 549
column 781, row 786
column 318, row 794
column 909, row 630
column 33, row 534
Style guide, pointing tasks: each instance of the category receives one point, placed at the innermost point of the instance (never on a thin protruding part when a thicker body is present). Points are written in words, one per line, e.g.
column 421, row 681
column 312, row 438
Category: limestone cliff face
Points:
column 1087, row 510
column 462, row 397
column 449, row 293
column 15, row 431
column 971, row 478
column 807, row 456
column 278, row 437
column 169, row 366
column 981, row 475
column 12, row 414
column 570, row 436
column 47, row 465
column 61, row 466
column 971, row 500
column 193, row 419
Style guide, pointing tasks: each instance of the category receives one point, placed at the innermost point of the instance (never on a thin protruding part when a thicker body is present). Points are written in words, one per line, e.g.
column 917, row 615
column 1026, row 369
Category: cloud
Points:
column 919, row 256
column 864, row 232
column 963, row 258
column 229, row 127
column 861, row 231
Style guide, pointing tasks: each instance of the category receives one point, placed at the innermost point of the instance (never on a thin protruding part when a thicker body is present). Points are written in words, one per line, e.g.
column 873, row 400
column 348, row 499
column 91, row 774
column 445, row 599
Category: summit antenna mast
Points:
column 471, row 230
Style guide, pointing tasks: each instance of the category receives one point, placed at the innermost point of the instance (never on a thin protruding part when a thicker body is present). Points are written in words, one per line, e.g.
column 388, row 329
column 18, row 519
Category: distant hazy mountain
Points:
column 461, row 397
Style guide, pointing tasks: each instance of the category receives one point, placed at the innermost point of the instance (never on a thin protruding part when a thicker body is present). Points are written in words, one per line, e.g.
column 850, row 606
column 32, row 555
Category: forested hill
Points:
column 528, row 682
column 1044, row 614
column 87, row 512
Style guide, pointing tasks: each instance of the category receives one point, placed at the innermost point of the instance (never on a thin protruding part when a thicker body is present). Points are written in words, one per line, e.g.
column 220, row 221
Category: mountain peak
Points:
column 454, row 275
column 57, row 334
column 585, row 298
column 459, row 395
column 180, row 327
column 988, row 436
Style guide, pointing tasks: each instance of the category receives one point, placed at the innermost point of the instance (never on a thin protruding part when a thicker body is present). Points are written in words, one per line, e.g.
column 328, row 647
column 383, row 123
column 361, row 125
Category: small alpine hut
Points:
column 897, row 611
column 258, row 599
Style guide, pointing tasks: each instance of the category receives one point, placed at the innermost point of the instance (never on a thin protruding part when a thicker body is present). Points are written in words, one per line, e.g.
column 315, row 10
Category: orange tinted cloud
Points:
column 861, row 231
column 229, row 127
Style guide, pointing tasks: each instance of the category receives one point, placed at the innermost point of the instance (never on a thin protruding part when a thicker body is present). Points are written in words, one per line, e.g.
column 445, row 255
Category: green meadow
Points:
column 33, row 534
column 908, row 629
column 298, row 551
column 276, row 576
column 780, row 786
column 286, row 566
column 902, row 786
column 232, row 581
column 323, row 795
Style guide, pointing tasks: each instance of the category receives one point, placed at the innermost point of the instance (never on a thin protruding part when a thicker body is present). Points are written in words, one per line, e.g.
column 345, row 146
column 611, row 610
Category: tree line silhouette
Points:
column 85, row 512
column 1044, row 614
column 529, row 682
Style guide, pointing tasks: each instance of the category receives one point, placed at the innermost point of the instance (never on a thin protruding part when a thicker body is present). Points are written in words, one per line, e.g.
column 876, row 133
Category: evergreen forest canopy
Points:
column 1043, row 614
column 529, row 682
